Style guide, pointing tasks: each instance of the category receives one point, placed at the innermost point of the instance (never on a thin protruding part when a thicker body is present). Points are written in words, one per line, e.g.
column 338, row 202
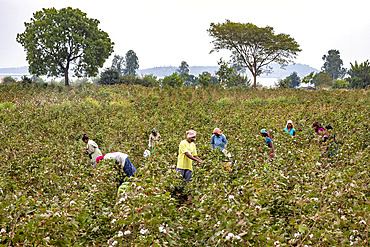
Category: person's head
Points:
column 191, row 135
column 217, row 132
column 85, row 138
column 289, row 124
column 99, row 158
column 264, row 133
column 316, row 125
column 154, row 132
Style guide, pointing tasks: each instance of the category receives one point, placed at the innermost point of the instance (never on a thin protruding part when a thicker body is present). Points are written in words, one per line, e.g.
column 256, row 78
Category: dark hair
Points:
column 328, row 127
column 316, row 124
column 84, row 137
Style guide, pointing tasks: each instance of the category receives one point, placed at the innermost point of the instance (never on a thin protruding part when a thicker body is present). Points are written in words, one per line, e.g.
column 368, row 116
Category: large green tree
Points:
column 295, row 81
column 59, row 41
column 132, row 63
column 118, row 63
column 333, row 64
column 255, row 47
column 359, row 75
column 183, row 68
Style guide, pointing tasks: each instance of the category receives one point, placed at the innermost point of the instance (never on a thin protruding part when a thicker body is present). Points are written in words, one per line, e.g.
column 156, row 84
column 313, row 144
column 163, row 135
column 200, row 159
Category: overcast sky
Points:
column 166, row 32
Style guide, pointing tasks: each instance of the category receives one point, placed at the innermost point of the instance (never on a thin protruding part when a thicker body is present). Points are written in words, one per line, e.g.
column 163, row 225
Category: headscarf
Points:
column 99, row 158
column 289, row 122
column 191, row 133
column 217, row 131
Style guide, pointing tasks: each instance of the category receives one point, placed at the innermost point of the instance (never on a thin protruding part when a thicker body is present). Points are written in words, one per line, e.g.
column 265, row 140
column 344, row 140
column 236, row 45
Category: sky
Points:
column 166, row 32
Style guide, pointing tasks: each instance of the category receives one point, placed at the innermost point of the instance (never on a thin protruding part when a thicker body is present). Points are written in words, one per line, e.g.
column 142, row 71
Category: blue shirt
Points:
column 291, row 132
column 268, row 140
column 218, row 141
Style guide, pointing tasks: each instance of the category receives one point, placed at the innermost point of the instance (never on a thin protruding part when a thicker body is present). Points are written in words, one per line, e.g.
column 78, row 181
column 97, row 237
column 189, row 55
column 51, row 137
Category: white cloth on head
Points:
column 191, row 133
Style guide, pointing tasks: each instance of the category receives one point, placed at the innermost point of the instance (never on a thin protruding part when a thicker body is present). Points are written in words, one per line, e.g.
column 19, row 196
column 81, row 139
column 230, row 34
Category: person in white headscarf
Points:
column 289, row 128
column 187, row 153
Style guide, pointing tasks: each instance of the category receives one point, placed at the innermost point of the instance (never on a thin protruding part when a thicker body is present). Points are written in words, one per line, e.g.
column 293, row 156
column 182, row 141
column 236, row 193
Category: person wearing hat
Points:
column 268, row 141
column 187, row 153
column 123, row 162
column 289, row 128
column 218, row 139
column 153, row 139
column 92, row 149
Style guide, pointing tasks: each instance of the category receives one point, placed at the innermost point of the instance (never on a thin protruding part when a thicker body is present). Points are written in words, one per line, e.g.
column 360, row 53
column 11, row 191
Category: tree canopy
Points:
column 57, row 41
column 360, row 75
column 118, row 63
column 183, row 68
column 132, row 63
column 333, row 64
column 255, row 47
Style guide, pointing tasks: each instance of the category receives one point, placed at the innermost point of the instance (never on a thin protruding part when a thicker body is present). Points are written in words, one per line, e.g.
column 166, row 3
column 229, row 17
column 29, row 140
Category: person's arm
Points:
column 195, row 158
column 213, row 141
column 150, row 140
column 294, row 133
column 272, row 147
column 90, row 148
column 224, row 140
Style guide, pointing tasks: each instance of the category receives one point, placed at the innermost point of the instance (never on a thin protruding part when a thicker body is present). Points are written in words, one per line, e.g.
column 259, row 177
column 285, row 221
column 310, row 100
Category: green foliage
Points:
column 204, row 79
column 51, row 196
column 360, row 75
column 132, row 63
column 333, row 64
column 323, row 79
column 340, row 84
column 118, row 63
column 253, row 46
column 109, row 77
column 7, row 79
column 295, row 81
column 183, row 68
column 57, row 41
column 283, row 83
column 173, row 80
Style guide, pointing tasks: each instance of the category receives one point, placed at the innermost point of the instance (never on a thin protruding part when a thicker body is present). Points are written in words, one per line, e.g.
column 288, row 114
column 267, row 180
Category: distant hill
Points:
column 301, row 69
column 15, row 71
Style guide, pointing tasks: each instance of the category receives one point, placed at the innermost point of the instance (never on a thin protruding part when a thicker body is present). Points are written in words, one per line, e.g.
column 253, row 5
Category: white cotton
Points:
column 127, row 232
column 120, row 234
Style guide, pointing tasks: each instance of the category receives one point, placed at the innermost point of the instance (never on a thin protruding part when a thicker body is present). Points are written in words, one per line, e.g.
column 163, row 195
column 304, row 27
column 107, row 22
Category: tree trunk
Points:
column 255, row 81
column 66, row 80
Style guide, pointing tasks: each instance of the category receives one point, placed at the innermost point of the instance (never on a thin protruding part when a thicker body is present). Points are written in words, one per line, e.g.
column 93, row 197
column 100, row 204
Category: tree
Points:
column 283, row 83
column 253, row 46
column 7, row 79
column 173, row 80
column 59, row 40
column 339, row 84
column 225, row 72
column 109, row 77
column 294, row 80
column 359, row 75
column 323, row 79
column 204, row 79
column 333, row 64
column 118, row 63
column 132, row 63
column 310, row 79
column 183, row 68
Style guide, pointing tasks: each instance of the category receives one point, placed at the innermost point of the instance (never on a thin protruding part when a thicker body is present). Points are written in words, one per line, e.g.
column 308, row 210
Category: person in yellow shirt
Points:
column 187, row 153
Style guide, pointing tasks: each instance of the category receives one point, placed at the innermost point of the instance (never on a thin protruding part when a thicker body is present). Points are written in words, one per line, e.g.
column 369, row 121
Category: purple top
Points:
column 320, row 129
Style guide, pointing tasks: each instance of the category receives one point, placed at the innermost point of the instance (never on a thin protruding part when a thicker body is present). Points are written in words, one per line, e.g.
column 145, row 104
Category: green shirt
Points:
column 183, row 162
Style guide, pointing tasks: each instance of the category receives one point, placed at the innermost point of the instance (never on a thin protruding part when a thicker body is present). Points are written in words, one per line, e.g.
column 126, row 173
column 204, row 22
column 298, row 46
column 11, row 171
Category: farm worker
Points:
column 218, row 139
column 187, row 153
column 289, row 128
column 320, row 131
column 153, row 139
column 268, row 141
column 330, row 138
column 123, row 162
column 92, row 149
